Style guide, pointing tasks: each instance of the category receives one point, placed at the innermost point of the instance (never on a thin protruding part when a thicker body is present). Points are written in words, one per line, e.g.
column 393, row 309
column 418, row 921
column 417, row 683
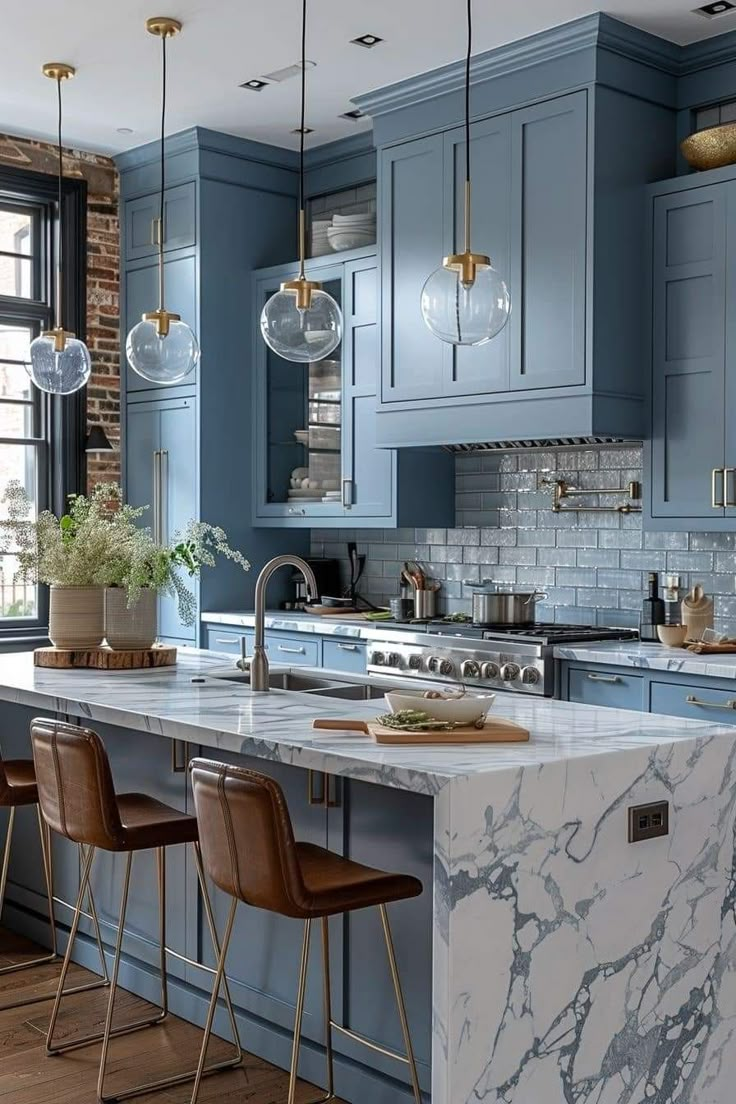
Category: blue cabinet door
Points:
column 369, row 473
column 141, row 295
column 161, row 472
column 412, row 239
column 618, row 689
column 482, row 369
column 180, row 221
column 344, row 655
column 689, row 354
column 549, row 220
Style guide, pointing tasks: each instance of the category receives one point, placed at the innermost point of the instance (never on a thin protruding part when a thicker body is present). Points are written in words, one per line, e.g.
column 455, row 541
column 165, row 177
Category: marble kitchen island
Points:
column 568, row 966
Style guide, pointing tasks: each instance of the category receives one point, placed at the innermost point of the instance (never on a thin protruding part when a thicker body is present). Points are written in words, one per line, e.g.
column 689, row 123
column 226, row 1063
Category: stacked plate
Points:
column 320, row 242
column 352, row 231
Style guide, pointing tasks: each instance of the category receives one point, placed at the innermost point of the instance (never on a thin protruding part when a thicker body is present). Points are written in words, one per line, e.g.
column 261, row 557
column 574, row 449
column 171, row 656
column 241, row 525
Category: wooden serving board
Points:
column 493, row 732
column 728, row 647
column 105, row 659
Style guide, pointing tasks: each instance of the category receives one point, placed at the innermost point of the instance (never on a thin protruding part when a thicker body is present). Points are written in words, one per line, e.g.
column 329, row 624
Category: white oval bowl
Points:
column 353, row 220
column 465, row 710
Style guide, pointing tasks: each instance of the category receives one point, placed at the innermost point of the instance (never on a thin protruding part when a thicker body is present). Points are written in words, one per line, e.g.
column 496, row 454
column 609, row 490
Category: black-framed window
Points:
column 41, row 437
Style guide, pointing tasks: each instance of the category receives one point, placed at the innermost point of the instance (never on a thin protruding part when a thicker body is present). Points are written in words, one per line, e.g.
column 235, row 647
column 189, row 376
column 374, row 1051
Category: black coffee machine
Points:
column 327, row 574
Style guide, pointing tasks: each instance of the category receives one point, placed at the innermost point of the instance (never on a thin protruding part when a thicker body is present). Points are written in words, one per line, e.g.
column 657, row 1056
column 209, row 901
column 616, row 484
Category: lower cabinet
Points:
column 293, row 648
column 344, row 655
column 618, row 689
column 700, row 702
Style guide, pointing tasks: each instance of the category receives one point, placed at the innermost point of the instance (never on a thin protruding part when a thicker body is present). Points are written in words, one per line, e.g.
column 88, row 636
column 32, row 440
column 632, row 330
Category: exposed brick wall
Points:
column 103, row 281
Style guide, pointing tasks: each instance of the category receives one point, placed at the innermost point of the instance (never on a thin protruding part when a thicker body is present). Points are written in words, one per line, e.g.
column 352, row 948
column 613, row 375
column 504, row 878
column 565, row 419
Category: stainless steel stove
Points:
column 516, row 659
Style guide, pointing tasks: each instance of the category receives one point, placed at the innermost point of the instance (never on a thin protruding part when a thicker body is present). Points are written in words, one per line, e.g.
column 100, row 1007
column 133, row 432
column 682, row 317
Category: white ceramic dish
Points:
column 353, row 220
column 302, row 436
column 350, row 239
column 465, row 710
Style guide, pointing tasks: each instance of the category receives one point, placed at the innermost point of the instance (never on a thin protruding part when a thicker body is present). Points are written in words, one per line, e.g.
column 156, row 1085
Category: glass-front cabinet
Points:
column 316, row 462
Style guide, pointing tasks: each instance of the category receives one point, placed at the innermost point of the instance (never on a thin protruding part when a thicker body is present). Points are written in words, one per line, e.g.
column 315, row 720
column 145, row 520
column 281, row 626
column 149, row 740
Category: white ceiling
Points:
column 226, row 42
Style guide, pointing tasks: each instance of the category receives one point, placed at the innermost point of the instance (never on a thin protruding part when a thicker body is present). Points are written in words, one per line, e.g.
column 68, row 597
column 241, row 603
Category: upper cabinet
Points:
column 316, row 460
column 558, row 204
column 692, row 452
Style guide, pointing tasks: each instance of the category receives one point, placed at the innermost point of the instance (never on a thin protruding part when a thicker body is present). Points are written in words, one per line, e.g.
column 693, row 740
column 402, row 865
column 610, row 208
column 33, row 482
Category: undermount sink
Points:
column 309, row 684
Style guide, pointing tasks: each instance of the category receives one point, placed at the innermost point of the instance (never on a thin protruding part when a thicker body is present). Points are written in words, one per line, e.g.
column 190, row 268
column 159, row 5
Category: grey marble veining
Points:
column 650, row 656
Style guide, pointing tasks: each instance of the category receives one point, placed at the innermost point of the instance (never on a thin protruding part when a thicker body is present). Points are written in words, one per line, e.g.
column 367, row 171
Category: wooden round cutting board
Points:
column 105, row 659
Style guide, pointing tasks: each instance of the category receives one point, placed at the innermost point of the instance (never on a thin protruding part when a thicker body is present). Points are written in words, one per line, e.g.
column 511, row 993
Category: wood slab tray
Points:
column 493, row 732
column 699, row 647
column 105, row 659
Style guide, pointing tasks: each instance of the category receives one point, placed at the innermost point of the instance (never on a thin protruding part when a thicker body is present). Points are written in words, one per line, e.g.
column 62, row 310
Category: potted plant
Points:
column 143, row 569
column 71, row 554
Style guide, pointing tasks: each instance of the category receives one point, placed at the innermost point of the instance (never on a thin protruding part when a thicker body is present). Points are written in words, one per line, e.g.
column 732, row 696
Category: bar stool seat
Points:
column 335, row 884
column 148, row 823
column 20, row 784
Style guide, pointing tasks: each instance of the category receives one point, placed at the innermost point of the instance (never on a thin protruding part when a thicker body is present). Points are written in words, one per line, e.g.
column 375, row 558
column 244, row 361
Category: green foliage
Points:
column 101, row 542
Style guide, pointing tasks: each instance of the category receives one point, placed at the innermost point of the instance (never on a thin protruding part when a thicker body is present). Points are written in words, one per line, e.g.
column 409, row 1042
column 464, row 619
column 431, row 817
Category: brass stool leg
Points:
column 328, row 1009
column 299, row 1012
column 6, row 856
column 400, row 1004
column 161, row 872
column 43, row 959
column 219, row 976
column 301, row 993
column 207, row 905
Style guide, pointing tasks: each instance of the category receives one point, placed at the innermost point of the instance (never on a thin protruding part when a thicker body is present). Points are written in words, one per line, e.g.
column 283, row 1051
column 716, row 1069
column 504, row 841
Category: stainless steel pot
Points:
column 493, row 605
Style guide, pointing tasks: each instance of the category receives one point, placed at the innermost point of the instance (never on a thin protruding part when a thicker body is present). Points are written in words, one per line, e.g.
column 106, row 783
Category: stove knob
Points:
column 447, row 667
column 433, row 664
column 530, row 676
column 378, row 659
column 393, row 659
column 510, row 671
column 415, row 662
column 470, row 669
column 489, row 671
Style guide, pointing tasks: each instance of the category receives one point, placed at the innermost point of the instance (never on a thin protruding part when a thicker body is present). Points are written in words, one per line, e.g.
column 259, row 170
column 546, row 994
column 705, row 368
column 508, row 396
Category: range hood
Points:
column 540, row 443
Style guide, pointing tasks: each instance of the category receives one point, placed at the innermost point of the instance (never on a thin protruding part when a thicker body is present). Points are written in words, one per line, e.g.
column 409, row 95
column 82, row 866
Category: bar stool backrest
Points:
column 75, row 787
column 246, row 836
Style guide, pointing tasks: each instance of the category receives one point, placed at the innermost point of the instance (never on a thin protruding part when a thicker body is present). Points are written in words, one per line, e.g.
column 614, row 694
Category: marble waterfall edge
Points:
column 572, row 967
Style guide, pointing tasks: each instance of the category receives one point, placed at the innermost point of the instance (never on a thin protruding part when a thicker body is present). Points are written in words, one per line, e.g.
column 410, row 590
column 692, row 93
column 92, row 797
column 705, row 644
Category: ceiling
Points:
column 226, row 42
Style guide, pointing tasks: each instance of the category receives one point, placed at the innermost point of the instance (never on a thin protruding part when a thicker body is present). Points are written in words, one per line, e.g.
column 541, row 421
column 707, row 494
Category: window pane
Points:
column 15, row 346
column 16, row 231
column 16, row 277
column 18, row 599
column 17, row 420
column 18, row 462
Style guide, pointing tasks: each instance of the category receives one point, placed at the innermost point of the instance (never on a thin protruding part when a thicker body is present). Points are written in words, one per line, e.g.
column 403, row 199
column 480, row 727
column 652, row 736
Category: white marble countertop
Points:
column 296, row 621
column 627, row 653
column 278, row 725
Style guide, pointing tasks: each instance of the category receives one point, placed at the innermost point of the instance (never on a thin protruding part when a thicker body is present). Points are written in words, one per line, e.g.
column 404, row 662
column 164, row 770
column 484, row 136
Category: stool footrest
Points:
column 386, row 1051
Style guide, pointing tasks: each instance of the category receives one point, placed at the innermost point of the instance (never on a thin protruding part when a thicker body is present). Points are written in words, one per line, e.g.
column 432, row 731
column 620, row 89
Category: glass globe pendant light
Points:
column 301, row 322
column 161, row 347
column 465, row 301
column 60, row 363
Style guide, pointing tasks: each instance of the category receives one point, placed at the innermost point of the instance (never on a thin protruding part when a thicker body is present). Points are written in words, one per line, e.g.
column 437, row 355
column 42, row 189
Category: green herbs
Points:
column 414, row 720
column 101, row 541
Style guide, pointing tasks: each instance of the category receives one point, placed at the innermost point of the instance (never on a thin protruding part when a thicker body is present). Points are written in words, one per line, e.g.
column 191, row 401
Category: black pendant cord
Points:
column 302, row 125
column 60, row 236
column 162, row 178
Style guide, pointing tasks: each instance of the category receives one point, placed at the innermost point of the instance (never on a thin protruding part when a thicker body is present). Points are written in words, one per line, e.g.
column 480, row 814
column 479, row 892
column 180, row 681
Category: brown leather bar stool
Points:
column 78, row 800
column 17, row 790
column 250, row 853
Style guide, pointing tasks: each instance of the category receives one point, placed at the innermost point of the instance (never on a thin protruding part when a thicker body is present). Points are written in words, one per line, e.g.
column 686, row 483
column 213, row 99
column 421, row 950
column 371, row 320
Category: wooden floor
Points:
column 28, row 1076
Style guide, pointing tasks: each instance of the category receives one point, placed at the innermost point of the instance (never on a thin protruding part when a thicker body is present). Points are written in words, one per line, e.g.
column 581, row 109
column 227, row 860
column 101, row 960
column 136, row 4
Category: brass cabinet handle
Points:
column 692, row 700
column 604, row 678
column 157, row 231
column 315, row 799
column 727, row 473
column 332, row 788
column 178, row 764
column 347, row 493
column 157, row 495
column 714, row 476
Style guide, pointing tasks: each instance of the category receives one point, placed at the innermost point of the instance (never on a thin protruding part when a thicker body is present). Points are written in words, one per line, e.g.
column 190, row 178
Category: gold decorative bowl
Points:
column 711, row 148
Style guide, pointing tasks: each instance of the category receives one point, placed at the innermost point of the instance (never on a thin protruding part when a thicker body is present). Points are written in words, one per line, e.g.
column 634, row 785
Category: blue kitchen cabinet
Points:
column 180, row 221
column 290, row 649
column 697, row 701
column 344, row 655
column 141, row 294
column 319, row 420
column 161, row 443
column 691, row 457
column 558, row 190
column 618, row 688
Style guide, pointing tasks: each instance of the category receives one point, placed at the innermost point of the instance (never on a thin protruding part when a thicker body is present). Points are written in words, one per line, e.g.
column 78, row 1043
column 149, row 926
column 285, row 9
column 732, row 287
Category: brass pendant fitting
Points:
column 467, row 265
column 60, row 337
column 163, row 320
column 303, row 289
column 163, row 26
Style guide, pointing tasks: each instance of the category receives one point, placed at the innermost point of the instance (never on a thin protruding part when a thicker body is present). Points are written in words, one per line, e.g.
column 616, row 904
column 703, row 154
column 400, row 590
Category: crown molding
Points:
column 708, row 53
column 355, row 145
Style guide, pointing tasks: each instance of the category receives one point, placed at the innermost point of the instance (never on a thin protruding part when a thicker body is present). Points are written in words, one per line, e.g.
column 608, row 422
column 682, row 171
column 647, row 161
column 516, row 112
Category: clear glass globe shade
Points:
column 465, row 316
column 165, row 359
column 301, row 335
column 59, row 373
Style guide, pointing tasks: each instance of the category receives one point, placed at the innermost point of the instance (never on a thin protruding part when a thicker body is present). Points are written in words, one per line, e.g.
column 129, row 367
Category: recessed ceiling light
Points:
column 306, row 130
column 719, row 7
column 353, row 115
column 254, row 85
column 125, row 130
column 366, row 40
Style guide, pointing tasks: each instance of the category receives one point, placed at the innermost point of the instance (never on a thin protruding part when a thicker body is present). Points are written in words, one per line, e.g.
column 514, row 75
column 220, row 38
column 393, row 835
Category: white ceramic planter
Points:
column 76, row 616
column 137, row 627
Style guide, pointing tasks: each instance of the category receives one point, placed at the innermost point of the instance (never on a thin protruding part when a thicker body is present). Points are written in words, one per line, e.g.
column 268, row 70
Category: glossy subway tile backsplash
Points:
column 591, row 566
